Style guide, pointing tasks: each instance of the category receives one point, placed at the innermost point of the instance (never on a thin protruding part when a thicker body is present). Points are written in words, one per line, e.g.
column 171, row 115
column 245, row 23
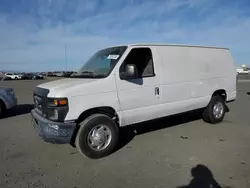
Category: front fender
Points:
column 80, row 104
column 9, row 102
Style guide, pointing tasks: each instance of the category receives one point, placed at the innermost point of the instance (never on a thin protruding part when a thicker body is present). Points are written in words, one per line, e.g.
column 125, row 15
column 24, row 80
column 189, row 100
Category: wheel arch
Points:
column 106, row 110
column 220, row 92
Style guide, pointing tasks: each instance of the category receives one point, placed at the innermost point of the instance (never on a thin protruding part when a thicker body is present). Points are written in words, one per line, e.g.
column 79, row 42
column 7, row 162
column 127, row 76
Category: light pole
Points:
column 66, row 61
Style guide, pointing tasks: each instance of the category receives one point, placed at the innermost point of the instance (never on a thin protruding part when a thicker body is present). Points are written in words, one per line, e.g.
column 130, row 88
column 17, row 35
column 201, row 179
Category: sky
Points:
column 33, row 33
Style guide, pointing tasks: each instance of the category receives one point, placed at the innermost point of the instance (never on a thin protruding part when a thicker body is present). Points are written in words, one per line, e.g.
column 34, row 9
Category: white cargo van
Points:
column 128, row 84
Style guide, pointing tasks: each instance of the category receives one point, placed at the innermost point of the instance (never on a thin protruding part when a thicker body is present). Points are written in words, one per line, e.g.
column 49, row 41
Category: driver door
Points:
column 139, row 97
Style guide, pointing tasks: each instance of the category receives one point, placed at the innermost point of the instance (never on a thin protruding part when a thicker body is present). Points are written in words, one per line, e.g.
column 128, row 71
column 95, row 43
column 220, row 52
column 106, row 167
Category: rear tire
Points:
column 97, row 136
column 215, row 111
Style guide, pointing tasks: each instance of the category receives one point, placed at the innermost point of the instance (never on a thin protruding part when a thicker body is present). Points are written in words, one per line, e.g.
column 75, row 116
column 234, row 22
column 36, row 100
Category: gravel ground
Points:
column 162, row 154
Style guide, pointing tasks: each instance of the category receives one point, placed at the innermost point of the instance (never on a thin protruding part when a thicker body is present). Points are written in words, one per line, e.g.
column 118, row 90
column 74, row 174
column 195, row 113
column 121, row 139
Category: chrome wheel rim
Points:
column 99, row 137
column 218, row 110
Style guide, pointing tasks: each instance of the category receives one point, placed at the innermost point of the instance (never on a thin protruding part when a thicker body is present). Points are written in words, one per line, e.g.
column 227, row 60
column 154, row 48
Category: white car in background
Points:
column 13, row 76
column 242, row 71
column 8, row 99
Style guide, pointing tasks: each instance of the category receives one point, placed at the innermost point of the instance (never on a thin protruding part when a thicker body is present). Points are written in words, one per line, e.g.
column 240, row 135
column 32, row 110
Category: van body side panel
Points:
column 182, row 86
column 190, row 75
column 220, row 73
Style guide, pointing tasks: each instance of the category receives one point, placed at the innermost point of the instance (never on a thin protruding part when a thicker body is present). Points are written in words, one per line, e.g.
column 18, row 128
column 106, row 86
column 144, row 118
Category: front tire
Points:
column 215, row 111
column 2, row 108
column 97, row 136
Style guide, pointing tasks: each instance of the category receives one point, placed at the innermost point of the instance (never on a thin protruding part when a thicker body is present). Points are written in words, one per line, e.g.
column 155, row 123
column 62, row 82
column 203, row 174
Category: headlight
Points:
column 53, row 114
column 57, row 109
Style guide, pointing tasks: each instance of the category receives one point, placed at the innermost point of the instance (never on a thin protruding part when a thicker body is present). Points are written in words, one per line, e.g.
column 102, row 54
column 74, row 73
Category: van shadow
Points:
column 202, row 178
column 18, row 110
column 129, row 132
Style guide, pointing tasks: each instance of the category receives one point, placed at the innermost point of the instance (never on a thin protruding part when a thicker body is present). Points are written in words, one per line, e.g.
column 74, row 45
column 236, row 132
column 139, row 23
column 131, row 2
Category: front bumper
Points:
column 53, row 132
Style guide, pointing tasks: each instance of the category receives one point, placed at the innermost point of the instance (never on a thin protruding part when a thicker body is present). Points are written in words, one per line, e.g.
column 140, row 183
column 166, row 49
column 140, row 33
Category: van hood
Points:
column 70, row 87
column 65, row 83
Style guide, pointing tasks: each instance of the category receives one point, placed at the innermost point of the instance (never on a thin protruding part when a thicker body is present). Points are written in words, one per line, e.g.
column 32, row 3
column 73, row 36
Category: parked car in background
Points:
column 27, row 76
column 4, row 78
column 21, row 75
column 44, row 74
column 242, row 71
column 8, row 99
column 49, row 74
column 68, row 74
column 59, row 74
column 13, row 76
column 54, row 73
column 39, row 76
column 32, row 76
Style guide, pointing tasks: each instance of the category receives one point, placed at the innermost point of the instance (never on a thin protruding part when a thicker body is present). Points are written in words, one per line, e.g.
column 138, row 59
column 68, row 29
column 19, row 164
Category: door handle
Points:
column 157, row 91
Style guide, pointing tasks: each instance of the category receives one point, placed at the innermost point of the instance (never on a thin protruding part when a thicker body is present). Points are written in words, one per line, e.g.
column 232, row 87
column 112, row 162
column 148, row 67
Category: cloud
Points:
column 34, row 32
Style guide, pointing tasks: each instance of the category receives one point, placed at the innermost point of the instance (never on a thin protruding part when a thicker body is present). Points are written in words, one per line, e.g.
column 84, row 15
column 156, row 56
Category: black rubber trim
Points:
column 233, row 100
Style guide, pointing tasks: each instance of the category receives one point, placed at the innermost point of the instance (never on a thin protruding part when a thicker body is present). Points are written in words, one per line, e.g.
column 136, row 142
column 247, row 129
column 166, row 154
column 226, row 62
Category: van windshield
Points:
column 101, row 63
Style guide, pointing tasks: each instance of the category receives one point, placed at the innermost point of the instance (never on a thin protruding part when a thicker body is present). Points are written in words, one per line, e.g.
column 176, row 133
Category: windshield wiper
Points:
column 83, row 74
column 88, row 76
column 88, row 72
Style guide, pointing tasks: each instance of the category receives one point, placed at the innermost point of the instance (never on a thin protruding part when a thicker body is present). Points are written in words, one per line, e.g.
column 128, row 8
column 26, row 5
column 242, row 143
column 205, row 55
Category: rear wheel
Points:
column 97, row 136
column 215, row 111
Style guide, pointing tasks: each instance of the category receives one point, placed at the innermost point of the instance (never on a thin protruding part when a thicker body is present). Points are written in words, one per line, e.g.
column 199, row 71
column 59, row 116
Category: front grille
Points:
column 38, row 104
column 40, row 100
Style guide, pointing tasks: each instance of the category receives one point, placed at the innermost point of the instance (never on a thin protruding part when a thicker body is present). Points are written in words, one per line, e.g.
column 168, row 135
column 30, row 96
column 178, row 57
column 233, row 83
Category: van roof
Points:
column 179, row 45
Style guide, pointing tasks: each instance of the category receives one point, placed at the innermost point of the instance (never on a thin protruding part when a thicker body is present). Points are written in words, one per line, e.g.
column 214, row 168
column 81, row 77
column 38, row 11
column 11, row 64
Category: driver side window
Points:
column 143, row 61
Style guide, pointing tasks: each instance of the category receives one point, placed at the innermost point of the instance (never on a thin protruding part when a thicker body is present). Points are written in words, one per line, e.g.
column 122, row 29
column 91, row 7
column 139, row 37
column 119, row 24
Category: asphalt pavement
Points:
column 160, row 154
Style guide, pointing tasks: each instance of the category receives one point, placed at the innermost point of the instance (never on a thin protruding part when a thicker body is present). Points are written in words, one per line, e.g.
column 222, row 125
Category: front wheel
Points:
column 215, row 111
column 2, row 108
column 97, row 136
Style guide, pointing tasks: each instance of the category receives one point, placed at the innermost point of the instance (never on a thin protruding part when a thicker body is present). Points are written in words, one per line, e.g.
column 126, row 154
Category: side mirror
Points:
column 130, row 72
